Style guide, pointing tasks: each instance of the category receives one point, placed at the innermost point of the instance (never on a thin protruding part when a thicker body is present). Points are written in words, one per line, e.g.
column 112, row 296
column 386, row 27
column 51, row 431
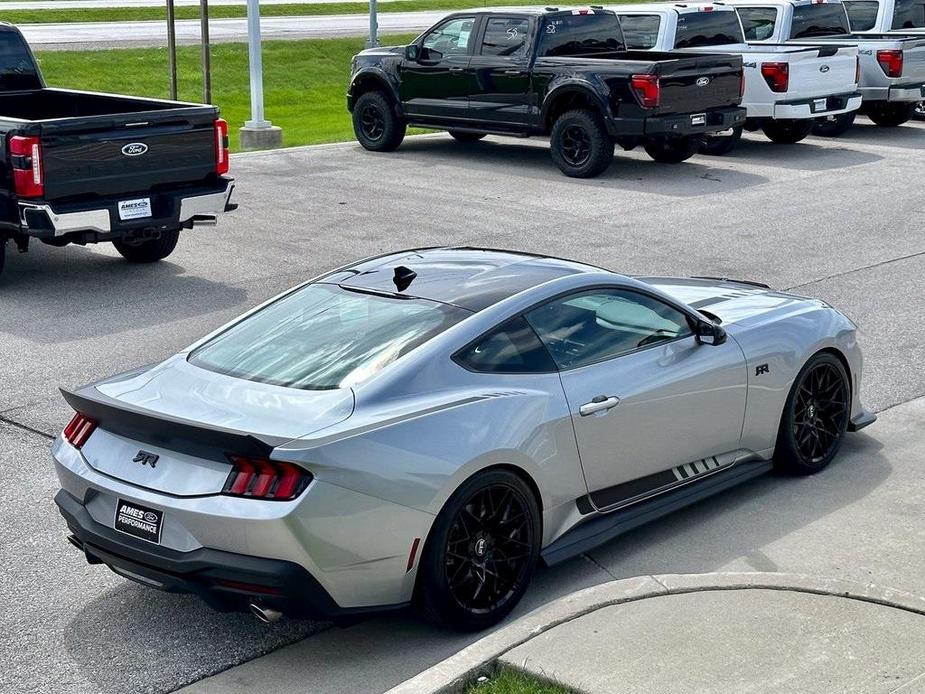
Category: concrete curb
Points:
column 455, row 672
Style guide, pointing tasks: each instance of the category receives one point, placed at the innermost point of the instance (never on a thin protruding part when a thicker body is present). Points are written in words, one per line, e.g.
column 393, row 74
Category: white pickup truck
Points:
column 892, row 65
column 889, row 16
column 787, row 88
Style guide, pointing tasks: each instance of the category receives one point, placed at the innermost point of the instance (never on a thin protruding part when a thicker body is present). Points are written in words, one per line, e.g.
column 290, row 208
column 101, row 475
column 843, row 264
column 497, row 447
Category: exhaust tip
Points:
column 267, row 615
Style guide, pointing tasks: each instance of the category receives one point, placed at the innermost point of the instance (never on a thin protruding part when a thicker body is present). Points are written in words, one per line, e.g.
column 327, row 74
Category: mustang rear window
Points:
column 323, row 337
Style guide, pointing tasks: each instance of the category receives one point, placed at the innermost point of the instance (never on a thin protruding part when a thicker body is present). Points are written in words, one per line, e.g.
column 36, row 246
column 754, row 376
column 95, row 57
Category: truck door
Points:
column 500, row 88
column 437, row 83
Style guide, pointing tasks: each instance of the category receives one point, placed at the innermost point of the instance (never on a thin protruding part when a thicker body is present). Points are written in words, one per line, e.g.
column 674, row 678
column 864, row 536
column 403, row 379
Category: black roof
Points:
column 472, row 278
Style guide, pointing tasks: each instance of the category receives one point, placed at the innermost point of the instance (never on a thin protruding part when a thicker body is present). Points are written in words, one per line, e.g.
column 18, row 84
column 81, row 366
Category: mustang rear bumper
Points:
column 225, row 580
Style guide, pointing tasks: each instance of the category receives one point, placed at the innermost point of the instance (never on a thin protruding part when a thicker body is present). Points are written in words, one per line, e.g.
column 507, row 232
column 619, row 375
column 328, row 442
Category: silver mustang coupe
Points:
column 424, row 427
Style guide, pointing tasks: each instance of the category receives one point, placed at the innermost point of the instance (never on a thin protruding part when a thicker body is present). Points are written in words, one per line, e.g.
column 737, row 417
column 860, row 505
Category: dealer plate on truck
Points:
column 139, row 521
column 699, row 119
column 134, row 209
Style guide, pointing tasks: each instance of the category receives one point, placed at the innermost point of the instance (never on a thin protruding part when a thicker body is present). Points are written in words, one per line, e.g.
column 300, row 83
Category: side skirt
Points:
column 603, row 528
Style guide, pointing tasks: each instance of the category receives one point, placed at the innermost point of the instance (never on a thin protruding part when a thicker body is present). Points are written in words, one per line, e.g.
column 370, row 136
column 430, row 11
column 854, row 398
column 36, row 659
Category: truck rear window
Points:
column 862, row 15
column 640, row 30
column 580, row 34
column 17, row 69
column 758, row 22
column 716, row 28
column 828, row 19
column 909, row 14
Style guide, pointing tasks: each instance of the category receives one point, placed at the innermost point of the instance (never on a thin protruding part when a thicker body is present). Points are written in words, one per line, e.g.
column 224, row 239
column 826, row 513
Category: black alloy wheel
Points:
column 375, row 123
column 372, row 122
column 816, row 419
column 481, row 552
column 576, row 146
column 919, row 111
column 579, row 144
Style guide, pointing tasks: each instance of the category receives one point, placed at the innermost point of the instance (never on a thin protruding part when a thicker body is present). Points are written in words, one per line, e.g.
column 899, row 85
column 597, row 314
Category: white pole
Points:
column 373, row 26
column 256, row 66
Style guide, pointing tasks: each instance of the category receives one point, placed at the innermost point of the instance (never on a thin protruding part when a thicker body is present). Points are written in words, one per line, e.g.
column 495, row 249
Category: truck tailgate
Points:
column 124, row 155
column 697, row 83
column 823, row 71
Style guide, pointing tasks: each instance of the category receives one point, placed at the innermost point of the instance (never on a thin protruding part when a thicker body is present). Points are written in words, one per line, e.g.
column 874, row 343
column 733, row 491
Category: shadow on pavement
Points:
column 803, row 156
column 907, row 136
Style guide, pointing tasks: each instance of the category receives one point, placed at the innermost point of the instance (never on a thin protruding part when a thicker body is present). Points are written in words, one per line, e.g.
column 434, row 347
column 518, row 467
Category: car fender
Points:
column 373, row 74
column 571, row 86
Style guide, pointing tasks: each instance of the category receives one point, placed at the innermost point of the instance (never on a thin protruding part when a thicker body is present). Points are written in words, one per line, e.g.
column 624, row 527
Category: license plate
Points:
column 135, row 209
column 820, row 104
column 699, row 119
column 139, row 521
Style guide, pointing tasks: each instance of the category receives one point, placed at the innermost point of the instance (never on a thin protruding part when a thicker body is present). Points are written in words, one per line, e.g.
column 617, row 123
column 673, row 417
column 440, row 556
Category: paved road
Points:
column 837, row 219
column 91, row 4
column 98, row 35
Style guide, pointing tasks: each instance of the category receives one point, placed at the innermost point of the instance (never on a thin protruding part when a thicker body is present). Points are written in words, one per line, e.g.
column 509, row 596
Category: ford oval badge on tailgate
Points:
column 134, row 149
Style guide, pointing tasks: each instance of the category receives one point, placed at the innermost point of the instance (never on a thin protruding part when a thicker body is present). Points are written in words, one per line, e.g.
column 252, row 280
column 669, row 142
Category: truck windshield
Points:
column 17, row 68
column 909, row 14
column 827, row 19
column 322, row 337
column 580, row 34
column 716, row 28
column 862, row 15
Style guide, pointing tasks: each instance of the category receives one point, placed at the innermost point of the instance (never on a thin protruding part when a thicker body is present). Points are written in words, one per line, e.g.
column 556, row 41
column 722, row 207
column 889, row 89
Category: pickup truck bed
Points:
column 84, row 167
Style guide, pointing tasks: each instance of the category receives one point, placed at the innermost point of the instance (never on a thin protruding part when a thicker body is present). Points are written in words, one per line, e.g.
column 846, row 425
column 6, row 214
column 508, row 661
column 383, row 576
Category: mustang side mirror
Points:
column 412, row 52
column 710, row 333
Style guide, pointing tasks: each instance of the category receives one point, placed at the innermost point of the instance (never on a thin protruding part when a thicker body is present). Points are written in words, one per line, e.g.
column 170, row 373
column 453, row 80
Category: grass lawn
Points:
column 124, row 14
column 507, row 681
column 304, row 81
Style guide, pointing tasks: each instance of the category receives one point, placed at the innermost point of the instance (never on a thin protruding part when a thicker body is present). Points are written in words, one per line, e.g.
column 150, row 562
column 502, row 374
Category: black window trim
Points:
column 474, row 36
column 692, row 319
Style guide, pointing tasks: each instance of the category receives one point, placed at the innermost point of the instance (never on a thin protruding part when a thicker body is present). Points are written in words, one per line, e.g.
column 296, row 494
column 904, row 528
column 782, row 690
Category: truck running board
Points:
column 600, row 529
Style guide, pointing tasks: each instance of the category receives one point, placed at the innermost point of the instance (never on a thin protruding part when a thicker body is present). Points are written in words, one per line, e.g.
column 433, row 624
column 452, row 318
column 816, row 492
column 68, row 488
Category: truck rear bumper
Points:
column 711, row 121
column 816, row 108
column 901, row 92
column 100, row 218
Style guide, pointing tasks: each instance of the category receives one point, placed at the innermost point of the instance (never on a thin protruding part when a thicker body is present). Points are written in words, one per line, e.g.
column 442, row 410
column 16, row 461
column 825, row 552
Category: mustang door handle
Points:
column 513, row 72
column 599, row 403
column 456, row 69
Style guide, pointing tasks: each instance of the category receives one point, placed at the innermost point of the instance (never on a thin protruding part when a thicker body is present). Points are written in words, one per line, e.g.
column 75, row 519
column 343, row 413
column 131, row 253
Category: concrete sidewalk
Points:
column 733, row 641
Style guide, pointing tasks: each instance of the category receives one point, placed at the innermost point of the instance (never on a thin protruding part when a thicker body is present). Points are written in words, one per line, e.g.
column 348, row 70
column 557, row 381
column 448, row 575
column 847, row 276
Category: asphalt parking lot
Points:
column 836, row 219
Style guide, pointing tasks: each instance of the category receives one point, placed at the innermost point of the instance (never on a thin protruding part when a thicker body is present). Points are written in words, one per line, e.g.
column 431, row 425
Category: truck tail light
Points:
column 647, row 89
column 28, row 172
column 221, row 146
column 891, row 62
column 259, row 478
column 777, row 75
column 78, row 430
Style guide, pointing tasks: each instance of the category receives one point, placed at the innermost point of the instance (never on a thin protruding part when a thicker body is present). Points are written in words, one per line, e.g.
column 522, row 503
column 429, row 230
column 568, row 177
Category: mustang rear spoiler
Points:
column 181, row 435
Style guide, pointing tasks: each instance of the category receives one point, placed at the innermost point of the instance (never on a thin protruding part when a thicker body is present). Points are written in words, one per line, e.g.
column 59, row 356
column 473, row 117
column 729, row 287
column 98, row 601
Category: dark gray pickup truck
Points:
column 81, row 167
column 562, row 73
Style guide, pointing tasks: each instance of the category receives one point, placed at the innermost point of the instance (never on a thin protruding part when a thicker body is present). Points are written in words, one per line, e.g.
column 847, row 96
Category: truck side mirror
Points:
column 412, row 52
column 709, row 333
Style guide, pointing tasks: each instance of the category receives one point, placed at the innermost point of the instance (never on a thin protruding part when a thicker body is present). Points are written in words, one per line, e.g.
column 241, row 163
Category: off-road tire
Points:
column 375, row 124
column 672, row 150
column 719, row 145
column 787, row 132
column 890, row 115
column 580, row 145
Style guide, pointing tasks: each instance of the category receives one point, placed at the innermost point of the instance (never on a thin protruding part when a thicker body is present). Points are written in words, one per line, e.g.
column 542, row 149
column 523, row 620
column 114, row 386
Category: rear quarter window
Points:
column 758, row 23
column 511, row 348
column 640, row 30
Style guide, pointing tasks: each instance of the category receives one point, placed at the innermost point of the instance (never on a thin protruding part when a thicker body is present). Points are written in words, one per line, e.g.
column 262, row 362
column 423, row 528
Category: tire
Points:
column 919, row 112
column 580, row 145
column 151, row 250
column 834, row 126
column 815, row 417
column 2, row 254
column 718, row 145
column 453, row 588
column 890, row 115
column 464, row 136
column 672, row 150
column 787, row 132
column 375, row 124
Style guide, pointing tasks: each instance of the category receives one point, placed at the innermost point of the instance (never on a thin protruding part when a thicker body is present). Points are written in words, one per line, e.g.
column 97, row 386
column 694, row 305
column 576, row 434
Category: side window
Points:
column 640, row 30
column 450, row 38
column 862, row 15
column 512, row 347
column 907, row 14
column 505, row 36
column 592, row 326
column 758, row 22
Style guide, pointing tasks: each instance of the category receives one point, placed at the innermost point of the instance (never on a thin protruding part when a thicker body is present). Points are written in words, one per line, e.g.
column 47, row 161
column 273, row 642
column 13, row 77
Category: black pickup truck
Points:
column 565, row 73
column 81, row 167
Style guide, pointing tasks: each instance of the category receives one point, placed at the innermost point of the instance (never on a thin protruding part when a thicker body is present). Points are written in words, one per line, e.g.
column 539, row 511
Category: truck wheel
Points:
column 580, row 145
column 375, row 124
column 151, row 250
column 787, row 132
column 465, row 136
column 718, row 145
column 890, row 115
column 834, row 126
column 919, row 112
column 672, row 150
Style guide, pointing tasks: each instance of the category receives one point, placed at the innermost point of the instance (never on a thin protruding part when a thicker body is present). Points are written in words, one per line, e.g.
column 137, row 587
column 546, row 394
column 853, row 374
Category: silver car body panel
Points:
column 386, row 454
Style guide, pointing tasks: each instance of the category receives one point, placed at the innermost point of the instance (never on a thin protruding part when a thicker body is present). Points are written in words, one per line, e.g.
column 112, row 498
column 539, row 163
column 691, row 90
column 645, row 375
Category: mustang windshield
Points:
column 322, row 337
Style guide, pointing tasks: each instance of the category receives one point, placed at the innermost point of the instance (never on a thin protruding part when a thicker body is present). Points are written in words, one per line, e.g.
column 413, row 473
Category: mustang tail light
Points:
column 777, row 75
column 28, row 171
column 891, row 62
column 78, row 430
column 648, row 90
column 221, row 147
column 259, row 478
